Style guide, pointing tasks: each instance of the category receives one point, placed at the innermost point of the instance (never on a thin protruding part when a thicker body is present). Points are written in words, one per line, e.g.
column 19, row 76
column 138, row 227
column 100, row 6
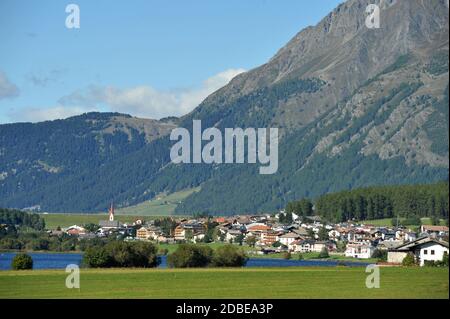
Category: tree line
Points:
column 145, row 255
column 15, row 217
column 194, row 256
column 122, row 254
column 405, row 201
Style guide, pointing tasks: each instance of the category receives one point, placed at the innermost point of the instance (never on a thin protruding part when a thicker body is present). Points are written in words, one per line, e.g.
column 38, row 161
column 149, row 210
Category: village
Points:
column 267, row 234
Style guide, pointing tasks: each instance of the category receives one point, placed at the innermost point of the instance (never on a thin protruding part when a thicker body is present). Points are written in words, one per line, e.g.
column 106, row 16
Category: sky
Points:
column 150, row 59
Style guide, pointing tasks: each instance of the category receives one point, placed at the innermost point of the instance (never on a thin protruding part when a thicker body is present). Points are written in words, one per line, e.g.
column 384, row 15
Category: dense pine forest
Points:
column 18, row 218
column 385, row 202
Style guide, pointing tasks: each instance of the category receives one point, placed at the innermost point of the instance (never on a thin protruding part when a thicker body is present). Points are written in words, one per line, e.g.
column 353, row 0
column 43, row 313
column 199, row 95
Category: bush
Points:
column 287, row 255
column 445, row 259
column 413, row 220
column 122, row 254
column 300, row 257
column 430, row 263
column 229, row 256
column 341, row 246
column 190, row 256
column 324, row 253
column 97, row 257
column 435, row 220
column 409, row 260
column 381, row 255
column 251, row 241
column 144, row 255
column 437, row 263
column 21, row 262
column 276, row 244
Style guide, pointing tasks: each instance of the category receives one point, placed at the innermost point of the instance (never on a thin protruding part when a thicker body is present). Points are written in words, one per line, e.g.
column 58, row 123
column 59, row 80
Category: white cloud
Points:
column 43, row 79
column 141, row 101
column 7, row 89
column 145, row 101
column 46, row 114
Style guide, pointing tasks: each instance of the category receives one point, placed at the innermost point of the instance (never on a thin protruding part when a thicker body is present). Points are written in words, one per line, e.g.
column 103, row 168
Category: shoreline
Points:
column 277, row 256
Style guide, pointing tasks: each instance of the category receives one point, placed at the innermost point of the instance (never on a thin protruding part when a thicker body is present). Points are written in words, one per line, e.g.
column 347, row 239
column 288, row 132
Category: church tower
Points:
column 111, row 212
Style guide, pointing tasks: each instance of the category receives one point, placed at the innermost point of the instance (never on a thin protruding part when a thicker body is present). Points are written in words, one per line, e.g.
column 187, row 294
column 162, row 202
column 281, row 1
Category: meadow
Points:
column 162, row 206
column 52, row 221
column 270, row 283
column 387, row 222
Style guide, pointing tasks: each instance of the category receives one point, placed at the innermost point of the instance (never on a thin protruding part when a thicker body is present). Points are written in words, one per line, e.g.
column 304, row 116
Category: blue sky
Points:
column 146, row 58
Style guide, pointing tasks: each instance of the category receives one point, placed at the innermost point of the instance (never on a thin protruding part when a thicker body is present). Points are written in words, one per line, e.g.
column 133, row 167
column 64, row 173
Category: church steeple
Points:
column 111, row 212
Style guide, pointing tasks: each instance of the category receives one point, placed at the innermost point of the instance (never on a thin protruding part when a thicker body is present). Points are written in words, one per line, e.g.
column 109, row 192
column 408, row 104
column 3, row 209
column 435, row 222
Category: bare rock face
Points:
column 359, row 66
column 356, row 107
column 151, row 129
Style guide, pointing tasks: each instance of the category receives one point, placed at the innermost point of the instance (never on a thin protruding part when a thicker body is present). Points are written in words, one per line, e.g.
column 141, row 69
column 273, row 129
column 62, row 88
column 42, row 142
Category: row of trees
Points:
column 194, row 256
column 17, row 217
column 386, row 202
column 122, row 254
column 167, row 225
column 303, row 207
column 12, row 238
column 145, row 255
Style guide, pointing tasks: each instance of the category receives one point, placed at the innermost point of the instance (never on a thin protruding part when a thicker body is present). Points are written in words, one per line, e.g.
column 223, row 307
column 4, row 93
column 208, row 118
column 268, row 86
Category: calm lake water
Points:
column 61, row 260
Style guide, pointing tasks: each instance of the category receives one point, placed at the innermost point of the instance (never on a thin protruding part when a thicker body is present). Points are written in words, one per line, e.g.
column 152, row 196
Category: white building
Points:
column 431, row 251
column 359, row 250
column 423, row 249
column 288, row 238
column 334, row 234
column 302, row 246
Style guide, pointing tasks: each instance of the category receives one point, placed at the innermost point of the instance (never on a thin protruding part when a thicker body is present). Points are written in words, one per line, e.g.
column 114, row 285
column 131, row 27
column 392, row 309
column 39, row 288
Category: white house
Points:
column 334, row 234
column 319, row 245
column 198, row 237
column 295, row 246
column 232, row 234
column 302, row 246
column 423, row 249
column 288, row 238
column 359, row 250
column 410, row 236
column 431, row 251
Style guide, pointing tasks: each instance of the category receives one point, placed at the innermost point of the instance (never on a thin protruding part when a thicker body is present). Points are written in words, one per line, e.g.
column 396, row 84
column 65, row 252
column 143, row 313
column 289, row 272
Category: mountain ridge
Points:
column 355, row 107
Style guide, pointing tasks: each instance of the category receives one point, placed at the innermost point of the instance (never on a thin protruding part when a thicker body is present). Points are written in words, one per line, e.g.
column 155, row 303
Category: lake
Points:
column 61, row 260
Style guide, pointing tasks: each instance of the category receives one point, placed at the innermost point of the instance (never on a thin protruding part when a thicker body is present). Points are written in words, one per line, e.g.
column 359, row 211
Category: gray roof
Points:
column 108, row 223
column 419, row 242
column 301, row 231
column 390, row 244
column 290, row 235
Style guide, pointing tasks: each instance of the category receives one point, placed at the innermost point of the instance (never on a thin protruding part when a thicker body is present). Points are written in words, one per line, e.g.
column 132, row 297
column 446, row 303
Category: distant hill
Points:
column 355, row 106
column 39, row 158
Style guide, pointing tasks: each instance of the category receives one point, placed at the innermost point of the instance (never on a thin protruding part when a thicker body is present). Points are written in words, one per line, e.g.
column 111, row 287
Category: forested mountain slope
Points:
column 355, row 107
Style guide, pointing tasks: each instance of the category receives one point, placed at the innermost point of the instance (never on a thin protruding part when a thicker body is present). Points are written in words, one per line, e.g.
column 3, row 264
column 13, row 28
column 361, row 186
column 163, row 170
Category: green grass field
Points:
column 318, row 282
column 387, row 222
column 162, row 205
column 315, row 256
column 64, row 220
